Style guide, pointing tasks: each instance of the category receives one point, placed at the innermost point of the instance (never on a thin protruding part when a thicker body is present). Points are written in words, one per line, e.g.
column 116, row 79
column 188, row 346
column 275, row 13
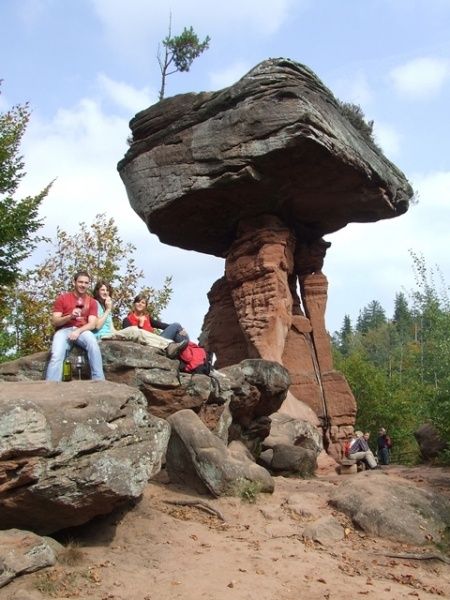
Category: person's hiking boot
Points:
column 174, row 348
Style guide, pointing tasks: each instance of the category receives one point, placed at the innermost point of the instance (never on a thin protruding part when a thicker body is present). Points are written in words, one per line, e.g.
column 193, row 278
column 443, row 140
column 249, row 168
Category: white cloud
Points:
column 372, row 261
column 138, row 27
column 421, row 77
column 228, row 76
column 80, row 147
column 125, row 95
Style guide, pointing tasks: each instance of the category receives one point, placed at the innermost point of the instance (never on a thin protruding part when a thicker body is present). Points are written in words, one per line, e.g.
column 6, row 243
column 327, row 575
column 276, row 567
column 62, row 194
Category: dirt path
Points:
column 160, row 551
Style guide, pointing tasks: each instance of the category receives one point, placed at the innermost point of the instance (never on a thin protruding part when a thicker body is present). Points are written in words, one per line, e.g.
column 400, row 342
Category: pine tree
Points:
column 179, row 53
column 372, row 316
column 344, row 336
column 403, row 318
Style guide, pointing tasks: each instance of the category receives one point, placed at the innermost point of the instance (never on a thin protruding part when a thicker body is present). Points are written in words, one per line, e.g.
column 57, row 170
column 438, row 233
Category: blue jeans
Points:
column 61, row 345
column 383, row 456
column 172, row 332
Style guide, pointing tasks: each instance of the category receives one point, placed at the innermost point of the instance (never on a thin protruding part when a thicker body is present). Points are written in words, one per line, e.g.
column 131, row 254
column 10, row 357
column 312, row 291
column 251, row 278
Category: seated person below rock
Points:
column 74, row 318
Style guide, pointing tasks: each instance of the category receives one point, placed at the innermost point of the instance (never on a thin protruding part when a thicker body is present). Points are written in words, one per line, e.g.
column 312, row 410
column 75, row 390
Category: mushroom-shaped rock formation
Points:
column 258, row 173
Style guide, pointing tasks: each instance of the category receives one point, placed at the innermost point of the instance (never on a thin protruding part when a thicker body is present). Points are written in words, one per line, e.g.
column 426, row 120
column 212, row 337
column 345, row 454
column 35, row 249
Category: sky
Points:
column 87, row 66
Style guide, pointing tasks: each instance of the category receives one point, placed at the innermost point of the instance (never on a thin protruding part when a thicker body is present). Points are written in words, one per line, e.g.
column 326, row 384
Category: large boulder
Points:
column 326, row 531
column 199, row 459
column 296, row 432
column 292, row 446
column 259, row 388
column 293, row 459
column 26, row 368
column 276, row 142
column 71, row 451
column 23, row 552
column 430, row 441
column 252, row 389
column 393, row 508
column 260, row 172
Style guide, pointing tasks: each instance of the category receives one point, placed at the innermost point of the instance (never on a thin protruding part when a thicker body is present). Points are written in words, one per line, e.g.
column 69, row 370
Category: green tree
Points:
column 378, row 342
column 96, row 248
column 179, row 53
column 382, row 402
column 403, row 318
column 343, row 337
column 370, row 317
column 19, row 219
column 404, row 331
column 399, row 370
column 432, row 313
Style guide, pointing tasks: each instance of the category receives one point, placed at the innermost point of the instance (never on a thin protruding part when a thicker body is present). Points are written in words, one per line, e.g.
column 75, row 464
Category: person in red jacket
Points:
column 140, row 318
column 74, row 317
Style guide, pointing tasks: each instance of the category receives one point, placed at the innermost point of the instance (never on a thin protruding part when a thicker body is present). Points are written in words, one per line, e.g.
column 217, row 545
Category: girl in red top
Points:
column 139, row 317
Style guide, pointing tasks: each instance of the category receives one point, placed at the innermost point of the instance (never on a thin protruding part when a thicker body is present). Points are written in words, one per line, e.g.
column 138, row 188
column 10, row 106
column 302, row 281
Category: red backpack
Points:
column 346, row 448
column 195, row 359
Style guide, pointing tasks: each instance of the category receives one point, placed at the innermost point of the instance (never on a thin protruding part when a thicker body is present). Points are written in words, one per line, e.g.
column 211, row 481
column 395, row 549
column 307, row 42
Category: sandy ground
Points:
column 162, row 551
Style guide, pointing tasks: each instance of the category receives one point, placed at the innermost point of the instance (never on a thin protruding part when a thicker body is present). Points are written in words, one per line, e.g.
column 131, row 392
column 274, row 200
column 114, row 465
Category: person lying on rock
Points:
column 103, row 294
column 74, row 318
column 360, row 450
column 140, row 318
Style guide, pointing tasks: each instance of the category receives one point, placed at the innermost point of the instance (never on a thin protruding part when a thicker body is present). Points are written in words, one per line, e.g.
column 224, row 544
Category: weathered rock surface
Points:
column 293, row 459
column 71, row 451
column 259, row 387
column 199, row 459
column 286, row 430
column 430, row 442
column 275, row 142
column 392, row 508
column 253, row 389
column 257, row 270
column 326, row 530
column 256, row 310
column 23, row 552
column 292, row 446
column 261, row 171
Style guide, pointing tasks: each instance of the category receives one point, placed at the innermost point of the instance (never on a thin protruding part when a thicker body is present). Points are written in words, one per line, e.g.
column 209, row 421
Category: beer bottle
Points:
column 67, row 368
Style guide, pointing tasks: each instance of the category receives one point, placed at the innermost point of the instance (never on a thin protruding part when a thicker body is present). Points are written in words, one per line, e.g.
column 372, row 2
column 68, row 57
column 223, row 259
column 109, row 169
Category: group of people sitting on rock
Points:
column 358, row 449
column 83, row 320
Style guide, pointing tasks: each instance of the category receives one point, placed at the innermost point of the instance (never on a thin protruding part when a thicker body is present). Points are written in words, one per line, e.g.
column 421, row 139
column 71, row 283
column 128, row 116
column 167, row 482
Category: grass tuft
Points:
column 71, row 555
column 246, row 490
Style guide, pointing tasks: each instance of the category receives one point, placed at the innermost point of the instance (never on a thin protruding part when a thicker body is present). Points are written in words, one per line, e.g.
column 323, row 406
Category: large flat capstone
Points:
column 276, row 142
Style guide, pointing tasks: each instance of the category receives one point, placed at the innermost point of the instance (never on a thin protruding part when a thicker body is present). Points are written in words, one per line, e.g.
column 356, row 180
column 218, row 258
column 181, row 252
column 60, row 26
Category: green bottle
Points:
column 67, row 368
